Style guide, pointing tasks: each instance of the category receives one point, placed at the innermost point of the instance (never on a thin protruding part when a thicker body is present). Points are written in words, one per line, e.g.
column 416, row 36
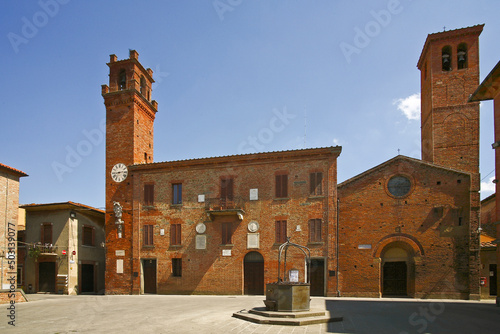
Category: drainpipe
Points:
column 337, row 245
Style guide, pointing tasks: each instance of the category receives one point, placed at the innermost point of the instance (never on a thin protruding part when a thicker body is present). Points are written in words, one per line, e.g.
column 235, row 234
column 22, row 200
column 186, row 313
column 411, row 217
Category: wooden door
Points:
column 493, row 280
column 47, row 277
column 253, row 272
column 87, row 283
column 394, row 279
column 317, row 275
column 149, row 275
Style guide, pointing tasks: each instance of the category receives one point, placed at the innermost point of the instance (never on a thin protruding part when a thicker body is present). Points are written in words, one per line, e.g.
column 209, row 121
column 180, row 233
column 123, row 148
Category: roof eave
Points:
column 487, row 89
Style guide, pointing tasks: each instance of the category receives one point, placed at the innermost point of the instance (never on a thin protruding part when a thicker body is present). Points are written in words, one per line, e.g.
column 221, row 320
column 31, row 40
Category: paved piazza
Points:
column 213, row 314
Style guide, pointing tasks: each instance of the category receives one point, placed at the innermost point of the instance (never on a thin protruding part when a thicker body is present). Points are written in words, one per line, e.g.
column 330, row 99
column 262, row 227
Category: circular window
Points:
column 399, row 186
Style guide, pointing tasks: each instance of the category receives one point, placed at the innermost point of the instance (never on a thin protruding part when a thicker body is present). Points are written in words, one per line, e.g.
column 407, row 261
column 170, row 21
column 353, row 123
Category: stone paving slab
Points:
column 213, row 314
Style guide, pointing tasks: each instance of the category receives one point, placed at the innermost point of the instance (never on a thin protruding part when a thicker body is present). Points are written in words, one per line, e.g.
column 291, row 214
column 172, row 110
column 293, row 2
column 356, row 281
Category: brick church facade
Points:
column 407, row 227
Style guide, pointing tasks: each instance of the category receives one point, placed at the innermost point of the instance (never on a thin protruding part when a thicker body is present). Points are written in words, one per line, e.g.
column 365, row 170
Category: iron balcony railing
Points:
column 224, row 204
column 46, row 248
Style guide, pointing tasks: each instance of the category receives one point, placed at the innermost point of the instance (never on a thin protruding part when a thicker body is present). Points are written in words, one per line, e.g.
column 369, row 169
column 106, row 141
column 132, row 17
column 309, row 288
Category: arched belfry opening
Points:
column 253, row 272
column 446, row 58
column 143, row 85
column 397, row 270
column 462, row 56
column 122, row 80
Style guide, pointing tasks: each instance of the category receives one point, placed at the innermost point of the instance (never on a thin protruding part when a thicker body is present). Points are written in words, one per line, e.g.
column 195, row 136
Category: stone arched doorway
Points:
column 398, row 256
column 253, row 272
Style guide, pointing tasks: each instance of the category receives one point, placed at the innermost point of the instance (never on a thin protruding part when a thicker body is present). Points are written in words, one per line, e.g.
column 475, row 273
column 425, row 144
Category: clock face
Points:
column 119, row 172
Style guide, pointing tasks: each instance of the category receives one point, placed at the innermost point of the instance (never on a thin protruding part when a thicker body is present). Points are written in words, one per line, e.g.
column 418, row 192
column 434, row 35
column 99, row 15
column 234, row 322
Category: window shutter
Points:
column 278, row 192
column 280, row 229
column 311, row 229
column 230, row 189
column 282, row 185
column 178, row 234
column 285, row 187
column 277, row 231
column 283, row 231
column 226, row 189
column 316, row 181
column 149, row 194
column 318, row 230
column 175, row 234
column 172, row 234
column 46, row 233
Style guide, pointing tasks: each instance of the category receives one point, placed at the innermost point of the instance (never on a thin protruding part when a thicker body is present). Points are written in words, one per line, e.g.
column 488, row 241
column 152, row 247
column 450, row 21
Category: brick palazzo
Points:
column 407, row 227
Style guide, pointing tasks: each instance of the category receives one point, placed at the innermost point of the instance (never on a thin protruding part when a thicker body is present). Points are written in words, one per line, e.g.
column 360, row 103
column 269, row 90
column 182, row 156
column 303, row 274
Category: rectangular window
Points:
column 88, row 236
column 227, row 233
column 46, row 235
column 175, row 234
column 315, row 230
column 177, row 193
column 148, row 235
column 149, row 194
column 316, row 180
column 282, row 186
column 280, row 231
column 177, row 267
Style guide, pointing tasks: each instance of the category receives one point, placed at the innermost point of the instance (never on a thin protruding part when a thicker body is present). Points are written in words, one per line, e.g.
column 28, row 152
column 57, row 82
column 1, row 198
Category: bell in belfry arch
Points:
column 461, row 55
column 446, row 62
column 462, row 59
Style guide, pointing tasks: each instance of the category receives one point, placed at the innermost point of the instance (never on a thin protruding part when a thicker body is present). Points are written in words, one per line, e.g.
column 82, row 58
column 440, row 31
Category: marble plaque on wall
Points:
column 119, row 266
column 252, row 240
column 254, row 194
column 201, row 242
column 120, row 253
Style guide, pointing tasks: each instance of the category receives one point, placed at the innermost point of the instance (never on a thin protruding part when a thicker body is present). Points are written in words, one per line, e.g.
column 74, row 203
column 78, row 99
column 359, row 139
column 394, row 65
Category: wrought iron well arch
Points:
column 284, row 247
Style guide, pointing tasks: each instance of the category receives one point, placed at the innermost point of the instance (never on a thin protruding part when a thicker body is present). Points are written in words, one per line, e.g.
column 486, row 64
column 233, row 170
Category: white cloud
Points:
column 409, row 106
column 488, row 187
column 336, row 142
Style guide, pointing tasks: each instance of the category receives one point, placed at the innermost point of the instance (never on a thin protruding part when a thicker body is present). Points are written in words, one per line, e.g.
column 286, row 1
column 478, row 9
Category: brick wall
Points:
column 425, row 223
column 9, row 197
column 207, row 271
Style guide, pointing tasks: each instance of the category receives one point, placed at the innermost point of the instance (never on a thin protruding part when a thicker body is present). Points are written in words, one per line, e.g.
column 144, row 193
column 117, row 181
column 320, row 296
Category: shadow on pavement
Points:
column 413, row 316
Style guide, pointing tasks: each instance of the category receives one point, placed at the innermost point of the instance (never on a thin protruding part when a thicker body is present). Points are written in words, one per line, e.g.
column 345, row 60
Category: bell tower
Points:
column 449, row 66
column 130, row 115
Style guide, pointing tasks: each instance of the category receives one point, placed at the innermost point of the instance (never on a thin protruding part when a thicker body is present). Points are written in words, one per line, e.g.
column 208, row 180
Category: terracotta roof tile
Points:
column 13, row 170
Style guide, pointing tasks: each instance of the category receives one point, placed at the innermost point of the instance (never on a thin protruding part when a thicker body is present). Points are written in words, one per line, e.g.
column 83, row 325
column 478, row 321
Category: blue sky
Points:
column 226, row 71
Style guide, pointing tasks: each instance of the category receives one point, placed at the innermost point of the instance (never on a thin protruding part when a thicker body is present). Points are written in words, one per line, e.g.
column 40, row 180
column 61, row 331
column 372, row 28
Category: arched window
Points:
column 122, row 80
column 462, row 56
column 143, row 85
column 446, row 58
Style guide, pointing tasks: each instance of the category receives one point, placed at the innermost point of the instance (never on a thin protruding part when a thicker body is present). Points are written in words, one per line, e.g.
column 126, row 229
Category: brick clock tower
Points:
column 130, row 115
column 449, row 66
